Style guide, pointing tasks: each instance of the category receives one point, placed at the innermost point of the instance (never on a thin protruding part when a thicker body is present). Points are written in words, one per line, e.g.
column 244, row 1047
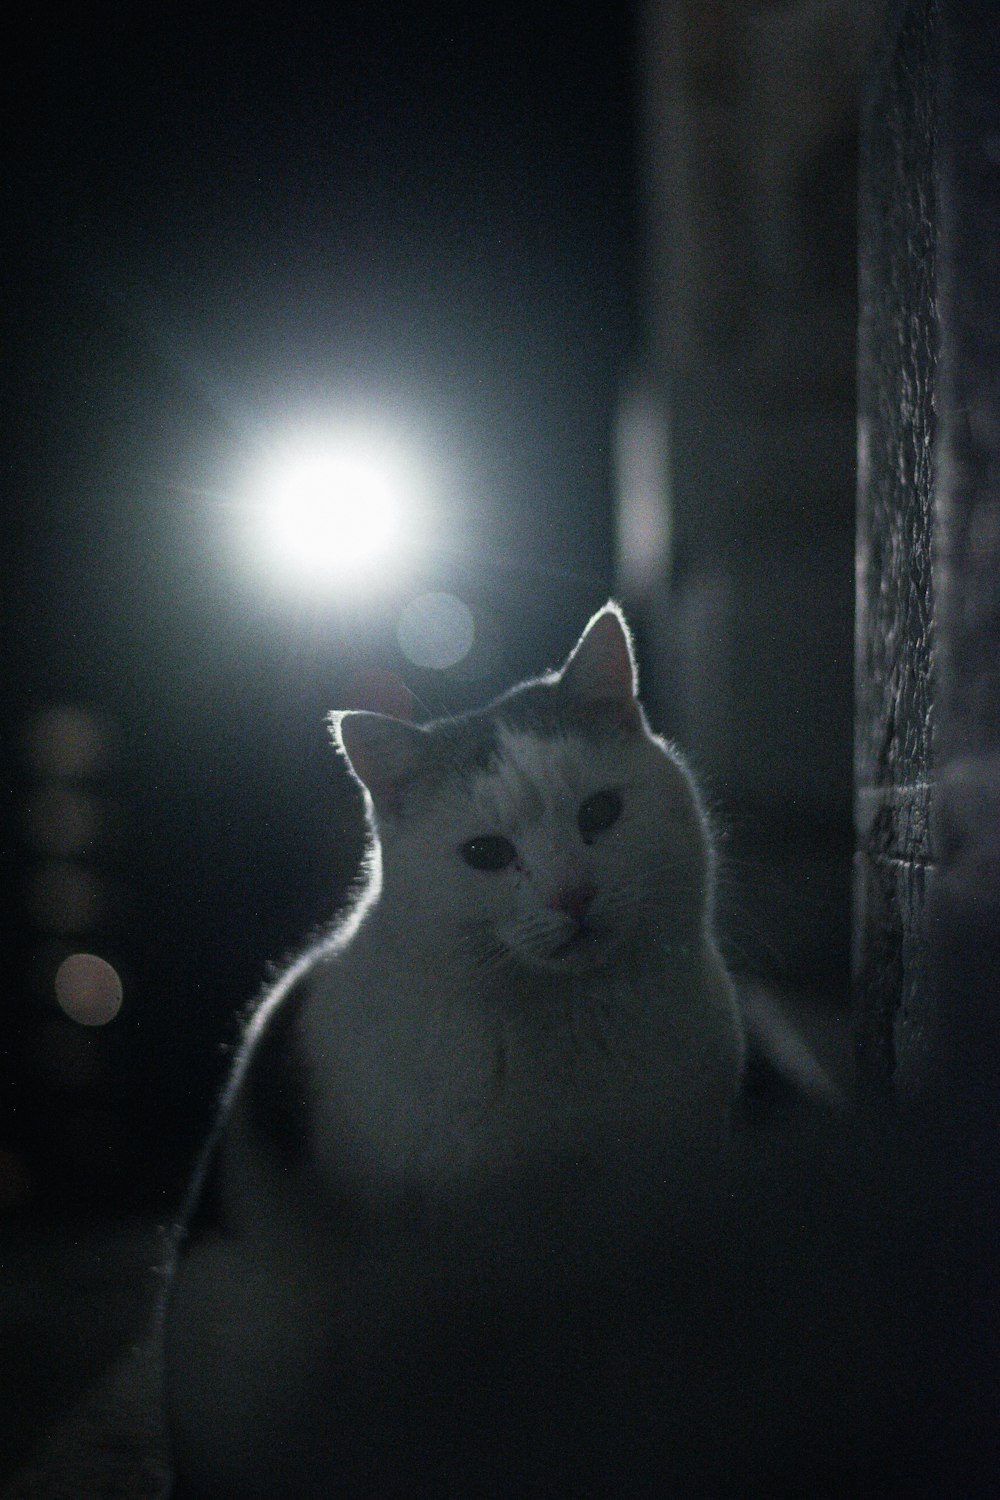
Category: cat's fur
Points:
column 424, row 1102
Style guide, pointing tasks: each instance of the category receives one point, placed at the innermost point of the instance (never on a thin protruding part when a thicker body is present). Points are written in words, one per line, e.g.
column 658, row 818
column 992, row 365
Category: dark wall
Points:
column 964, row 915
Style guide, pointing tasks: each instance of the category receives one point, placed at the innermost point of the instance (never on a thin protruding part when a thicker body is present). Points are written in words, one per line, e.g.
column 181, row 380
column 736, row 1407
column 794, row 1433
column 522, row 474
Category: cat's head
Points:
column 550, row 830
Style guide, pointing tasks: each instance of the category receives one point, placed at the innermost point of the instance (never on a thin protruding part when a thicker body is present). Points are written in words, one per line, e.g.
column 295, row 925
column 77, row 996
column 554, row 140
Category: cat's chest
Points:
column 417, row 1083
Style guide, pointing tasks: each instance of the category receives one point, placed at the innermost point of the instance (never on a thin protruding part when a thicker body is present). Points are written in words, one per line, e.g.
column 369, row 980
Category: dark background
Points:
column 216, row 225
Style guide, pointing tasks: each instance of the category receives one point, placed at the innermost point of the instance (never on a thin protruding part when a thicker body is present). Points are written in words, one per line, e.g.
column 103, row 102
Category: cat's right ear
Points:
column 601, row 668
column 384, row 753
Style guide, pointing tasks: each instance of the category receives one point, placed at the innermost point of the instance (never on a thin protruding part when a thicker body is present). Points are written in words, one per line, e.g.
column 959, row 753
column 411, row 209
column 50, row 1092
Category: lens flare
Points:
column 436, row 631
column 88, row 989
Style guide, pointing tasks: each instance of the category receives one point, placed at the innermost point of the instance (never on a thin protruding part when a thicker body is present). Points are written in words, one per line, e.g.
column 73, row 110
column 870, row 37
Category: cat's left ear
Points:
column 601, row 667
column 384, row 753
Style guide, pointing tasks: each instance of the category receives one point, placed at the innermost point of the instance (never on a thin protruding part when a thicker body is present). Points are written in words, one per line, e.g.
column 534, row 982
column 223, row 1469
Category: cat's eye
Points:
column 488, row 851
column 599, row 812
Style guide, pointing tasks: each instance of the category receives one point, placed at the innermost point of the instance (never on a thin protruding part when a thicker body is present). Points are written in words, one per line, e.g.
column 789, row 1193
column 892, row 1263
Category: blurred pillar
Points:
column 750, row 319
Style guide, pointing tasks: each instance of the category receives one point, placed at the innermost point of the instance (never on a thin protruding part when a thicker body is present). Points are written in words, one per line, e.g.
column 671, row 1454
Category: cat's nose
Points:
column 573, row 899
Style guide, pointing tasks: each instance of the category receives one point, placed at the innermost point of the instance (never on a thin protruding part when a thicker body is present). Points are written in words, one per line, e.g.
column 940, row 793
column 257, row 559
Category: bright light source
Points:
column 333, row 517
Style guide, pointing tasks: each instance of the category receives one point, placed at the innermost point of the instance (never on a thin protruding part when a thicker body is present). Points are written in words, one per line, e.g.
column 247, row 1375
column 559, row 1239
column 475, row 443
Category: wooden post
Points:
column 898, row 356
column 927, row 867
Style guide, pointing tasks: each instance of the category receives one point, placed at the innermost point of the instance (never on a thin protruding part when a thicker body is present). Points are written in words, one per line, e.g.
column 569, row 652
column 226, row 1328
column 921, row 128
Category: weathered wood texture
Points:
column 898, row 355
column 927, row 871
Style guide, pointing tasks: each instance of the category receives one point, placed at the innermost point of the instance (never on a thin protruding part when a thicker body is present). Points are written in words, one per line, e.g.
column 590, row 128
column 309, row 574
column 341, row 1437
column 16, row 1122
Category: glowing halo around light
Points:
column 333, row 516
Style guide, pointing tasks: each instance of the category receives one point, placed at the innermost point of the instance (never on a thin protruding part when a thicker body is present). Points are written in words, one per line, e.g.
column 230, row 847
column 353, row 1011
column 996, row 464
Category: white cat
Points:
column 527, row 994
